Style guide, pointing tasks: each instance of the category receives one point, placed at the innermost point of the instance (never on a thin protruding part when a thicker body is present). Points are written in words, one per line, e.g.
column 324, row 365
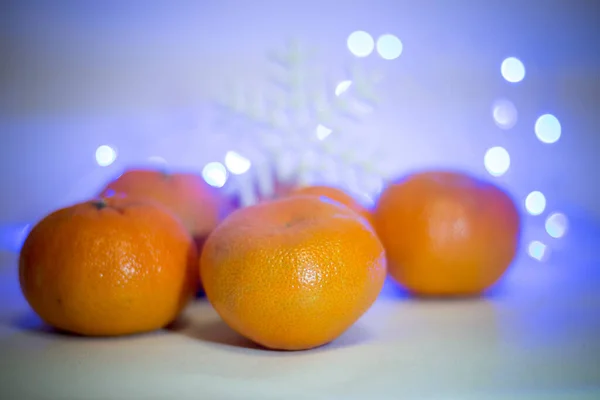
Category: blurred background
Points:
column 354, row 93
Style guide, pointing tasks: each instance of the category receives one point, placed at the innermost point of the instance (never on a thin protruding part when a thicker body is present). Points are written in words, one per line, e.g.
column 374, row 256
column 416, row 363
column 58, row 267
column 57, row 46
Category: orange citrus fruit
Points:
column 447, row 233
column 335, row 194
column 108, row 267
column 199, row 206
column 293, row 273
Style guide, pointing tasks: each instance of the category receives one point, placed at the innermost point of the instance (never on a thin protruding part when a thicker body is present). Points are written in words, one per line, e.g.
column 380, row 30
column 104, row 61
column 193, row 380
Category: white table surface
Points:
column 536, row 336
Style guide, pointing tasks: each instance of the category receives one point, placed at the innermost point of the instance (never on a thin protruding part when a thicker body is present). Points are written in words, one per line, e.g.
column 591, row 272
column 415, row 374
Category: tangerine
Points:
column 199, row 206
column 108, row 267
column 447, row 233
column 293, row 273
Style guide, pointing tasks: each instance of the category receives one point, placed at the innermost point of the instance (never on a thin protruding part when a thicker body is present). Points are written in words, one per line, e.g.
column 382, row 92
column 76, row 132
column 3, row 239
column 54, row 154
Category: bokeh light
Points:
column 342, row 87
column 360, row 43
column 512, row 70
column 537, row 250
column 322, row 132
column 547, row 128
column 535, row 203
column 105, row 155
column 215, row 174
column 496, row 161
column 505, row 113
column 389, row 47
column 556, row 225
column 236, row 163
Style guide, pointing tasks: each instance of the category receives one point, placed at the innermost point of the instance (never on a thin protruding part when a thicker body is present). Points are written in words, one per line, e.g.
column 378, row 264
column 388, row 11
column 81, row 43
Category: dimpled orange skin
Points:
column 337, row 195
column 199, row 206
column 293, row 273
column 107, row 268
column 447, row 233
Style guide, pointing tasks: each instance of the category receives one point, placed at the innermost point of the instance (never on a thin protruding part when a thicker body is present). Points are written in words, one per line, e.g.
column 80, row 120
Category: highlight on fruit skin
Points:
column 293, row 273
column 108, row 267
column 447, row 233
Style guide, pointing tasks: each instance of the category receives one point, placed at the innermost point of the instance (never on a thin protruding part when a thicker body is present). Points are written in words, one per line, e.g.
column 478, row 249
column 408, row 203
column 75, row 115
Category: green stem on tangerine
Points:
column 100, row 204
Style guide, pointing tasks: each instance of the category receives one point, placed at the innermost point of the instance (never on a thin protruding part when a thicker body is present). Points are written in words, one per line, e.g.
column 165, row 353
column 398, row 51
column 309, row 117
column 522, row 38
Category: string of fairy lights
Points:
column 548, row 130
column 496, row 159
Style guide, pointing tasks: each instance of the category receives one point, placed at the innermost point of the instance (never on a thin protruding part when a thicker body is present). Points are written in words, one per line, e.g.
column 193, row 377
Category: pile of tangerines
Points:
column 290, row 273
